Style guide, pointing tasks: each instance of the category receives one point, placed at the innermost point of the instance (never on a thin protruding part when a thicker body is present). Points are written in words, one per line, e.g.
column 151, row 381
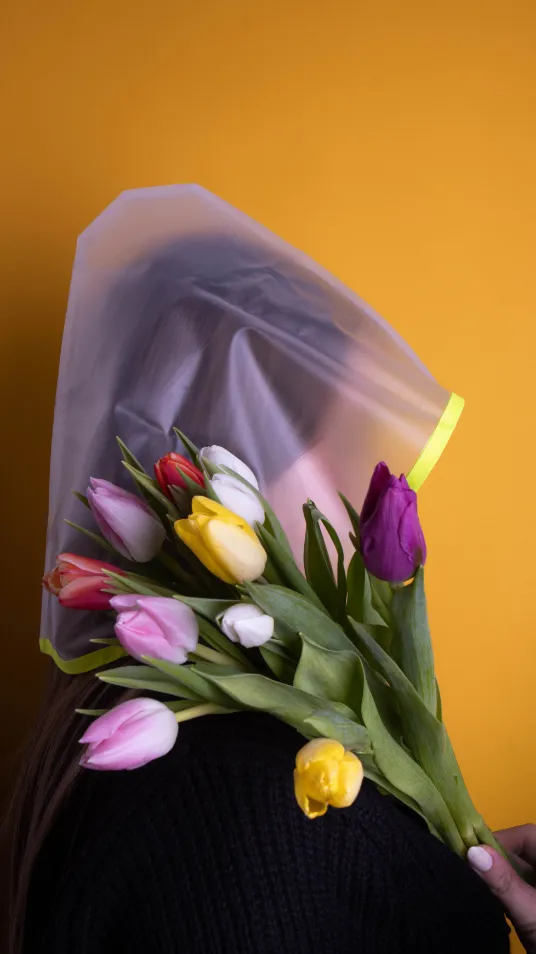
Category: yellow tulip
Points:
column 325, row 775
column 223, row 541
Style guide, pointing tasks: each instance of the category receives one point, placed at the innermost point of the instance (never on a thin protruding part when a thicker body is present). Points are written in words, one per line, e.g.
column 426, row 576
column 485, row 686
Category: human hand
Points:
column 518, row 898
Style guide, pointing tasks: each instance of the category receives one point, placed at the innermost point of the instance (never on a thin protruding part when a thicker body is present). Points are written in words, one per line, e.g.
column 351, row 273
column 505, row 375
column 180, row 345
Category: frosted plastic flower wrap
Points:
column 213, row 323
column 242, row 579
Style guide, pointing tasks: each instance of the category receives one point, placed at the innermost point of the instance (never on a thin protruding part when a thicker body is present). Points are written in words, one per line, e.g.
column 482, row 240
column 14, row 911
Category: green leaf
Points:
column 152, row 493
column 299, row 615
column 191, row 679
column 96, row 537
column 214, row 638
column 354, row 517
column 195, row 489
column 209, row 609
column 318, row 569
column 188, row 445
column 92, row 713
column 286, row 567
column 329, row 674
column 359, row 604
column 425, row 736
column 310, row 715
column 144, row 677
column 132, row 583
column 412, row 646
column 339, row 723
column 439, row 710
column 279, row 660
column 82, row 498
column 128, row 456
column 382, row 594
column 373, row 773
column 272, row 524
column 404, row 774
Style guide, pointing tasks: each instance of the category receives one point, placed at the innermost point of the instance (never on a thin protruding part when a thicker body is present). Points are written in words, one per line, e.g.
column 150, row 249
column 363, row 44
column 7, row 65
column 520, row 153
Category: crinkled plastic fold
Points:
column 183, row 311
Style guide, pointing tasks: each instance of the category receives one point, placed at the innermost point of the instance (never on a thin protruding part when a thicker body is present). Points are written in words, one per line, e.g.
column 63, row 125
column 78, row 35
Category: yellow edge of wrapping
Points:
column 74, row 667
column 437, row 442
column 431, row 453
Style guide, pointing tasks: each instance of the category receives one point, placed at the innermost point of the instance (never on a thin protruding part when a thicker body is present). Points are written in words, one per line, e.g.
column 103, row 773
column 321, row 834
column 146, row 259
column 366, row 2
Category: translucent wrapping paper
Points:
column 183, row 311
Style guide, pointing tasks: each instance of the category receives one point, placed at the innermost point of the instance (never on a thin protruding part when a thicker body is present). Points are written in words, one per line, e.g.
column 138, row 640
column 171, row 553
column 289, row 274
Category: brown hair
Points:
column 49, row 770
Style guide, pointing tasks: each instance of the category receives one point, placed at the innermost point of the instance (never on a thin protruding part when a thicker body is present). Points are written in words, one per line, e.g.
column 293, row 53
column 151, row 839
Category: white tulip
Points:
column 246, row 624
column 238, row 498
column 223, row 458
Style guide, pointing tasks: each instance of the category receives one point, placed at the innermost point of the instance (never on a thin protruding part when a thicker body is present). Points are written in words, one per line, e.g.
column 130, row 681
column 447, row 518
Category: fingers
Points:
column 520, row 841
column 516, row 896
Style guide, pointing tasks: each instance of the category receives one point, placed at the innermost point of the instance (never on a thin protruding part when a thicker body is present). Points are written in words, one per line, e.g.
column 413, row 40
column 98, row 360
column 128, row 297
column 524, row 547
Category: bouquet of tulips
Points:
column 217, row 616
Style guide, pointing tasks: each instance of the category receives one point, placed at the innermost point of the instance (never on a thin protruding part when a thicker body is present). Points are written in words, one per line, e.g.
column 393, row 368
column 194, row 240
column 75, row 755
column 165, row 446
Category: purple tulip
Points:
column 155, row 626
column 127, row 522
column 129, row 736
column 392, row 541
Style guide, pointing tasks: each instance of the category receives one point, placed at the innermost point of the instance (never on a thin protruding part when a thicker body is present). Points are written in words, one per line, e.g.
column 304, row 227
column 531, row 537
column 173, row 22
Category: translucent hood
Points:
column 183, row 311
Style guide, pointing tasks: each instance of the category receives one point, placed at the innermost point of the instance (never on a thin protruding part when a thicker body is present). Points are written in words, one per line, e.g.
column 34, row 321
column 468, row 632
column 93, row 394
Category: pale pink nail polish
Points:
column 479, row 859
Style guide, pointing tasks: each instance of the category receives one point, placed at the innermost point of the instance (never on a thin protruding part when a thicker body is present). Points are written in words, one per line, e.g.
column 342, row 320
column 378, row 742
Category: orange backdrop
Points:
column 394, row 142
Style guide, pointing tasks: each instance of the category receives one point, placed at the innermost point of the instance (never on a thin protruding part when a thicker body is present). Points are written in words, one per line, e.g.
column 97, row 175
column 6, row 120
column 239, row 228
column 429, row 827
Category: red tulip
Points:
column 169, row 478
column 78, row 582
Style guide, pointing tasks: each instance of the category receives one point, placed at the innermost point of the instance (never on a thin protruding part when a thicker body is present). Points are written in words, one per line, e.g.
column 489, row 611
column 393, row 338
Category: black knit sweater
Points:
column 206, row 852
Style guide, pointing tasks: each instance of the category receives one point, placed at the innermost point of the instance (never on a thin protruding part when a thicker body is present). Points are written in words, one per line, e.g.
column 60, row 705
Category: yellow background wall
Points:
column 393, row 141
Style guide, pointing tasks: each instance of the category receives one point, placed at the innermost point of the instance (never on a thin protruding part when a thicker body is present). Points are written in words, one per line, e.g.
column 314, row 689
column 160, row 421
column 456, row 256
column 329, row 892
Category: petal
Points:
column 127, row 601
column 177, row 621
column 86, row 592
column 140, row 531
column 105, row 726
column 239, row 611
column 85, row 565
column 221, row 457
column 318, row 749
column 239, row 499
column 349, row 783
column 239, row 554
column 137, row 742
column 309, row 806
column 190, row 533
column 254, row 632
column 378, row 483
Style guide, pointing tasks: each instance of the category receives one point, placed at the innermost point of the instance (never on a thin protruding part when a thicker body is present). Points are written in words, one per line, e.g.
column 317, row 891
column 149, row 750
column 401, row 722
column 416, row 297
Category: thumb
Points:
column 518, row 898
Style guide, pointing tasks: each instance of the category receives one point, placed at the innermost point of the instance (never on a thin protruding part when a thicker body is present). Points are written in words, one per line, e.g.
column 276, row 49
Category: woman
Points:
column 184, row 312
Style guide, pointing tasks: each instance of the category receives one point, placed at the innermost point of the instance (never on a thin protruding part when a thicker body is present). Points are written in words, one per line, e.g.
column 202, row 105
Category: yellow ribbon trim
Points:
column 437, row 442
column 74, row 667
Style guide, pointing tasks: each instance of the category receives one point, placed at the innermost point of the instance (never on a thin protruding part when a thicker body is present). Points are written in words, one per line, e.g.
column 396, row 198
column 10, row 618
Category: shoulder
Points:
column 212, row 838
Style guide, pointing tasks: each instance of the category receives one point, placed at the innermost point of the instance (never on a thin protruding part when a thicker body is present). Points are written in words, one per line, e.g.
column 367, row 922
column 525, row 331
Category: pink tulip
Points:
column 155, row 626
column 129, row 736
column 79, row 582
column 127, row 522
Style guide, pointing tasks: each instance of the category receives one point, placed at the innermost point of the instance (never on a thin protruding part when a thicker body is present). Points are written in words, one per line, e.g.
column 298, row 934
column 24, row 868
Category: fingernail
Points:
column 479, row 859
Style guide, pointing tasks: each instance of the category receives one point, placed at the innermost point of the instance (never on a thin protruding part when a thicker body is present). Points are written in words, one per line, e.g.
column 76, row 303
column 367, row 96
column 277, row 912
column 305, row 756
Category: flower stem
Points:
column 208, row 708
column 212, row 655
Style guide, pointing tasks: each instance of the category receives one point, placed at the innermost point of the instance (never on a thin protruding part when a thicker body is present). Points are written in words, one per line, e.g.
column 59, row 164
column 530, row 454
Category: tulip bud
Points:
column 326, row 775
column 129, row 736
column 155, row 626
column 170, row 480
column 392, row 541
column 127, row 522
column 246, row 624
column 223, row 458
column 238, row 498
column 79, row 582
column 222, row 541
